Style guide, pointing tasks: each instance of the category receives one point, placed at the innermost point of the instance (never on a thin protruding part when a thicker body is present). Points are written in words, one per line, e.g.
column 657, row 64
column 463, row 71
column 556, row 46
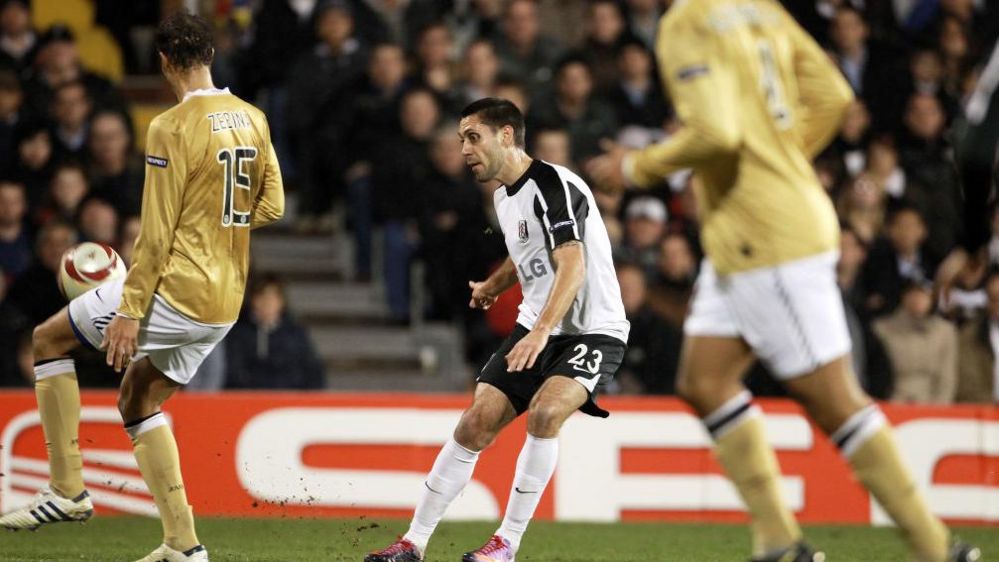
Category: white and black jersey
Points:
column 549, row 206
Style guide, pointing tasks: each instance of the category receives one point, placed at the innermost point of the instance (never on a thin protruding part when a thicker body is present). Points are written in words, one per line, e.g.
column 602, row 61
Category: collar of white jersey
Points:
column 205, row 92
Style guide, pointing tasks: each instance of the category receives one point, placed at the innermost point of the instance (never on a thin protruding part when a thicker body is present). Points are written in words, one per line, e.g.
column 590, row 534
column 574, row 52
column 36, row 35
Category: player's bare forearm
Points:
column 502, row 279
column 570, row 272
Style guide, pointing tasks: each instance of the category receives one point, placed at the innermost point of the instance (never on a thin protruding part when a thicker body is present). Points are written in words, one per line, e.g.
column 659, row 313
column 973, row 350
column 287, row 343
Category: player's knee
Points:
column 475, row 431
column 42, row 341
column 544, row 419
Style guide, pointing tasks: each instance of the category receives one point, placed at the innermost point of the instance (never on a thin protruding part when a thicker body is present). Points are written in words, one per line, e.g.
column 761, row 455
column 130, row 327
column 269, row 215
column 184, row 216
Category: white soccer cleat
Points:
column 166, row 554
column 46, row 508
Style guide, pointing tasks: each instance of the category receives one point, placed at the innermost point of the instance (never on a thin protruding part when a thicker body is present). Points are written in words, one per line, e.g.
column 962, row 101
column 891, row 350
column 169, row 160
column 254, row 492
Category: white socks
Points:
column 535, row 466
column 451, row 472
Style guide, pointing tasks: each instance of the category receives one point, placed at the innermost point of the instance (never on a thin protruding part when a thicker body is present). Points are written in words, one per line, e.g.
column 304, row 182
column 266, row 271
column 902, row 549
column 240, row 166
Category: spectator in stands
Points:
column 58, row 63
column 869, row 360
column 650, row 365
column 894, row 262
column 922, row 348
column 70, row 112
column 17, row 39
column 11, row 115
column 606, row 32
column 574, row 108
column 451, row 222
column 643, row 20
column 955, row 48
column 868, row 67
column 435, row 68
column 636, row 95
column 34, row 162
column 372, row 116
column 862, row 206
column 931, row 176
column 15, row 239
column 403, row 165
column 12, row 325
column 515, row 91
column 285, row 32
column 884, row 169
column 670, row 293
column 977, row 379
column 266, row 348
column 98, row 221
column 926, row 77
column 68, row 189
column 35, row 293
column 480, row 68
column 644, row 228
column 394, row 20
column 554, row 146
column 526, row 54
column 317, row 84
column 115, row 170
column 473, row 21
column 848, row 149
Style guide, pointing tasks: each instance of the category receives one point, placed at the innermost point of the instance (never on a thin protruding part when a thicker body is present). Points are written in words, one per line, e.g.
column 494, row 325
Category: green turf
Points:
column 120, row 539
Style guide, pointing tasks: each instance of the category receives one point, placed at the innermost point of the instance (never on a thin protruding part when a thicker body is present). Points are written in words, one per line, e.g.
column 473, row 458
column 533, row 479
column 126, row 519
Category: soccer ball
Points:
column 88, row 265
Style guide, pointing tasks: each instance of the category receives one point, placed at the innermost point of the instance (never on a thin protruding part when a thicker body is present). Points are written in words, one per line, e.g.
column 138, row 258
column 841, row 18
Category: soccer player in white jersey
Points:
column 571, row 332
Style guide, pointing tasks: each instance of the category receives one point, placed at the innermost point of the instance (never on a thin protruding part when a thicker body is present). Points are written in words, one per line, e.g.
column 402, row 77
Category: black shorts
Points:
column 591, row 359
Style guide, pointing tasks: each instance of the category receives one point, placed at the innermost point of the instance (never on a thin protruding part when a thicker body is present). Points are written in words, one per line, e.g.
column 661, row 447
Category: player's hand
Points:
column 481, row 298
column 606, row 170
column 526, row 351
column 121, row 341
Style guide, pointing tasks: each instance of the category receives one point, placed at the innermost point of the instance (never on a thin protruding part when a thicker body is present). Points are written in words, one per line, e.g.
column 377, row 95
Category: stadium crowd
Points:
column 362, row 97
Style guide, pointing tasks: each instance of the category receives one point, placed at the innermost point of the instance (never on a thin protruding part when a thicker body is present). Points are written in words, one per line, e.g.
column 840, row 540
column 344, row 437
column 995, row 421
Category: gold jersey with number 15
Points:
column 759, row 99
column 211, row 176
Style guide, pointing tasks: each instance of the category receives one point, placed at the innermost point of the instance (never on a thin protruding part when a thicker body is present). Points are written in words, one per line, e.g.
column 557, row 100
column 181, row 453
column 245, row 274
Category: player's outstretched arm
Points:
column 485, row 293
column 703, row 88
column 269, row 206
column 570, row 272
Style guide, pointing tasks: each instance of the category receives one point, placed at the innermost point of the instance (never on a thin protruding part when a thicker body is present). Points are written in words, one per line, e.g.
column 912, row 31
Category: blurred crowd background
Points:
column 362, row 97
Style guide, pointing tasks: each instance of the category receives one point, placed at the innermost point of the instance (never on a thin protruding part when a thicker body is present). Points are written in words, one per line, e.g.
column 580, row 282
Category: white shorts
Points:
column 174, row 343
column 791, row 314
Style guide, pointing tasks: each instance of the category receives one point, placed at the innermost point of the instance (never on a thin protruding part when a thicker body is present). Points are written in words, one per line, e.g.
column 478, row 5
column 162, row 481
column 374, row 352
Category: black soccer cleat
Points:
column 400, row 551
column 962, row 552
column 799, row 552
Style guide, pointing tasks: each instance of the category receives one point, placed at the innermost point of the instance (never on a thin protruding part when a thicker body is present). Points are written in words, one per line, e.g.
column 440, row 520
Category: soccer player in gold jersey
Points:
column 211, row 177
column 758, row 99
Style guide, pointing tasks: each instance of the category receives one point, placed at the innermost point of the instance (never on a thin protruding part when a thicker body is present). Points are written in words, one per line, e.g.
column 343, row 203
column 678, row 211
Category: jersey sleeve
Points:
column 704, row 93
column 824, row 94
column 562, row 209
column 269, row 205
column 162, row 198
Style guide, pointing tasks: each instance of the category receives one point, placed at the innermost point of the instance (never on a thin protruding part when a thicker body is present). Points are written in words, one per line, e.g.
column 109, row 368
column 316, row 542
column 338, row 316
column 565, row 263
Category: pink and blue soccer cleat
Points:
column 497, row 549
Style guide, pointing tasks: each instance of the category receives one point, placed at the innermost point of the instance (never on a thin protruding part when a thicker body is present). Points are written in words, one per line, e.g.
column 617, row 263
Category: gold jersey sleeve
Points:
column 757, row 98
column 211, row 176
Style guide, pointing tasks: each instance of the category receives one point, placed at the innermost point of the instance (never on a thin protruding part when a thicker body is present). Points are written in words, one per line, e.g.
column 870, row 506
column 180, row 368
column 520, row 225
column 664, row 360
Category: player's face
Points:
column 482, row 148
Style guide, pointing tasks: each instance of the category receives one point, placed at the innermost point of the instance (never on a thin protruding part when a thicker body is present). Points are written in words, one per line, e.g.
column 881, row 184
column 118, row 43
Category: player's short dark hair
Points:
column 498, row 113
column 186, row 41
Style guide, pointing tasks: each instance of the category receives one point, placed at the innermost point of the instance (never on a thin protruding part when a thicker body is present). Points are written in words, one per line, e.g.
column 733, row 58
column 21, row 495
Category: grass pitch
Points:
column 124, row 539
